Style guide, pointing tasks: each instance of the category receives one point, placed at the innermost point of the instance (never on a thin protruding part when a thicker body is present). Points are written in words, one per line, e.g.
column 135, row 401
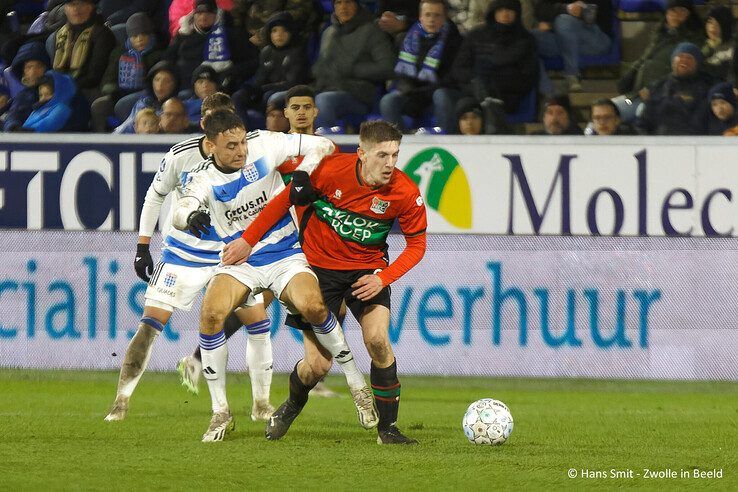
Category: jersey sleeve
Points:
column 167, row 176
column 197, row 186
column 413, row 220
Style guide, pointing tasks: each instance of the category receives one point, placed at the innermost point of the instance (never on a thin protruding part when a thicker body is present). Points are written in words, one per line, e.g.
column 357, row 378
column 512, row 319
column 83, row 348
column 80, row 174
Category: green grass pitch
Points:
column 52, row 437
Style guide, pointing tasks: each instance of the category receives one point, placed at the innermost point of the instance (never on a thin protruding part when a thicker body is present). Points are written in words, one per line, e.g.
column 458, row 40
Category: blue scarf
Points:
column 216, row 47
column 407, row 63
column 131, row 69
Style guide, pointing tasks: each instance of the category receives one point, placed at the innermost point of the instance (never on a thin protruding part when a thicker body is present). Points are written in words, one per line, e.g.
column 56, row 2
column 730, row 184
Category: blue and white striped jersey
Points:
column 234, row 199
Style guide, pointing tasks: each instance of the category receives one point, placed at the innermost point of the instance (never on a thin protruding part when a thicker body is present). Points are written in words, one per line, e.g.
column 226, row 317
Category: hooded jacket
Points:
column 354, row 57
column 54, row 114
column 500, row 57
column 718, row 59
column 281, row 68
column 23, row 102
column 723, row 90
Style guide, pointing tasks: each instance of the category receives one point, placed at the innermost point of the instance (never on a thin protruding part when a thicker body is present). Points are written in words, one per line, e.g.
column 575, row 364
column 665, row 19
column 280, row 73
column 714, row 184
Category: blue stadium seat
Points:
column 610, row 58
column 119, row 31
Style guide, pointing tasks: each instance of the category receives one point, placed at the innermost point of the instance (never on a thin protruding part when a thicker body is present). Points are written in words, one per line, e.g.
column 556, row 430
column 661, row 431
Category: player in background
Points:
column 353, row 202
column 230, row 189
column 187, row 264
column 301, row 111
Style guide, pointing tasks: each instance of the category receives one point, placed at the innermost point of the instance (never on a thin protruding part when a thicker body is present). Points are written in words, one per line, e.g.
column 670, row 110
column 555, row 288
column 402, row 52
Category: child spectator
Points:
column 53, row 110
column 469, row 116
column 718, row 48
column 204, row 83
column 4, row 99
column 147, row 122
column 283, row 63
column 722, row 116
column 127, row 68
column 29, row 65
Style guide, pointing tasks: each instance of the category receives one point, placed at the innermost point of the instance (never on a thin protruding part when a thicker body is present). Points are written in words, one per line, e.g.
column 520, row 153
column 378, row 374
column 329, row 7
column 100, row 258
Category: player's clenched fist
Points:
column 198, row 223
column 236, row 252
column 143, row 264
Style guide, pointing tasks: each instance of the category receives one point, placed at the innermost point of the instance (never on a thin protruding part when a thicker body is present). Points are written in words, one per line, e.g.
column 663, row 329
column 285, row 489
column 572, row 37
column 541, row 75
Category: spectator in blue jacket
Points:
column 53, row 109
column 29, row 65
column 205, row 82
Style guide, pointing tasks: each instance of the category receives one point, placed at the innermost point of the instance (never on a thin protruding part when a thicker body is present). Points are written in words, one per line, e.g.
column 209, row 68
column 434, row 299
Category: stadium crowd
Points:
column 455, row 66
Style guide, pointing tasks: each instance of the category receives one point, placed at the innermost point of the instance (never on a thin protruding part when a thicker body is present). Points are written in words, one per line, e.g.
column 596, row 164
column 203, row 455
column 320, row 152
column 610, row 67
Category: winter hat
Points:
column 690, row 49
column 671, row 4
column 724, row 17
column 205, row 72
column 29, row 51
column 283, row 19
column 467, row 105
column 723, row 91
column 138, row 23
column 206, row 6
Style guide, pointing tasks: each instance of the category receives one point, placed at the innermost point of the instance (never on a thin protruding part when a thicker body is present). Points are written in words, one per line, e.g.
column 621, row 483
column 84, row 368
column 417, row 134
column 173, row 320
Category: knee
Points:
column 314, row 310
column 212, row 319
column 379, row 348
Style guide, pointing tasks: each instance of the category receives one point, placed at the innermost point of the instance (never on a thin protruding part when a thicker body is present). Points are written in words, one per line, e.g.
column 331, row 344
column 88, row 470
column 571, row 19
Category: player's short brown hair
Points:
column 220, row 121
column 299, row 91
column 215, row 102
column 378, row 131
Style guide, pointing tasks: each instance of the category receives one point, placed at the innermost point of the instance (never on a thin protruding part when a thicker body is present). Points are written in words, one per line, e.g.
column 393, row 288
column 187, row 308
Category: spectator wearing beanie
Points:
column 681, row 24
column 127, row 69
column 161, row 84
column 82, row 46
column 678, row 104
column 29, row 65
column 722, row 116
column 718, row 48
column 469, row 117
column 204, row 83
column 497, row 64
column 209, row 36
column 253, row 16
column 558, row 118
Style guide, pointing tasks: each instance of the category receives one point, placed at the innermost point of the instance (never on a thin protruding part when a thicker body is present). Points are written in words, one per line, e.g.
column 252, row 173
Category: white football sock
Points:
column 214, row 361
column 330, row 335
column 137, row 355
column 259, row 359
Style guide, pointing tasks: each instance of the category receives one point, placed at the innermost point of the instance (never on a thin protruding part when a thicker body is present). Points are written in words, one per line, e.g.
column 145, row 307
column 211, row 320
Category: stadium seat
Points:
column 14, row 85
column 119, row 31
column 610, row 58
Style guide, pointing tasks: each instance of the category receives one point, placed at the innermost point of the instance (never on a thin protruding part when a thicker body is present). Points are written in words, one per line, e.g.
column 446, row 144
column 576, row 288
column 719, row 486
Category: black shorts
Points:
column 335, row 285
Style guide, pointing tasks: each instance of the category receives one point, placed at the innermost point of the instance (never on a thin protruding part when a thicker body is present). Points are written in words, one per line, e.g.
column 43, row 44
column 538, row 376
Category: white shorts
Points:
column 274, row 276
column 176, row 286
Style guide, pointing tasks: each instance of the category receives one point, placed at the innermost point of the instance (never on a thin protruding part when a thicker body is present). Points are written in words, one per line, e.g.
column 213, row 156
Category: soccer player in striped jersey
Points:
column 229, row 190
column 352, row 201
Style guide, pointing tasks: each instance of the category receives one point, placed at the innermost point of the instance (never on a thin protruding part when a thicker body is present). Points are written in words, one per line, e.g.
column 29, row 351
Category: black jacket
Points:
column 502, row 58
column 677, row 106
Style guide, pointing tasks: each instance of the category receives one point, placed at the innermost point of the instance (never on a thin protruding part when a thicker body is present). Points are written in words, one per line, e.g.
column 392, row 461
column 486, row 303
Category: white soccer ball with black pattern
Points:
column 487, row 421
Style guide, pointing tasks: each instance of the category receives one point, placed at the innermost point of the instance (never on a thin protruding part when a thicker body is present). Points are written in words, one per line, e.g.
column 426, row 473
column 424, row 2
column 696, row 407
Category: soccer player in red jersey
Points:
column 352, row 201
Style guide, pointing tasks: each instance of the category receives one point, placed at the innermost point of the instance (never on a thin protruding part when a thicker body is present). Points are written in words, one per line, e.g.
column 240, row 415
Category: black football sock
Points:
column 386, row 389
column 299, row 391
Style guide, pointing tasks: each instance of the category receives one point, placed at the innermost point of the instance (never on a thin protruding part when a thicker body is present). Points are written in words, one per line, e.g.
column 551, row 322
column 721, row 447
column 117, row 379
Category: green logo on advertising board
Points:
column 443, row 184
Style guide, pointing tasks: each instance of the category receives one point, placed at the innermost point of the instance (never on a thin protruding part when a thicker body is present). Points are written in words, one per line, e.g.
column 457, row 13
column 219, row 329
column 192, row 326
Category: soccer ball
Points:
column 487, row 421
